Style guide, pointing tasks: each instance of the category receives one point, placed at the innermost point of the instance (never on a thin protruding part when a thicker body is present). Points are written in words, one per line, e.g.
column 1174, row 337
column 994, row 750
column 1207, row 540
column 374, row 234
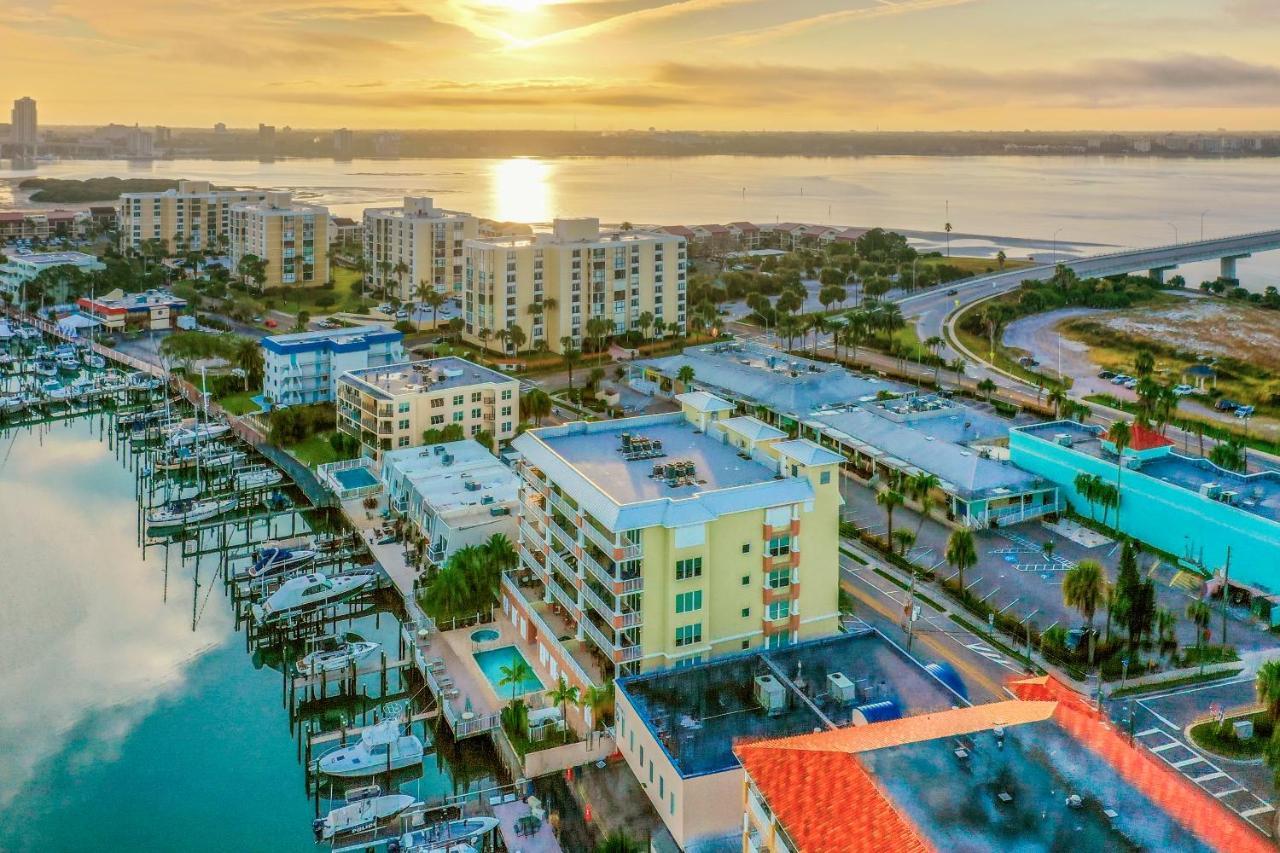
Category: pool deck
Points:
column 542, row 841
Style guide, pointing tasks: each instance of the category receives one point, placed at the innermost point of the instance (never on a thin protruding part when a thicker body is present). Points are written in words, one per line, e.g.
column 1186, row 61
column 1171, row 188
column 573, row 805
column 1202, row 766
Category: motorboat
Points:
column 360, row 815
column 28, row 333
column 52, row 389
column 221, row 458
column 258, row 477
column 11, row 403
column 273, row 560
column 143, row 382
column 335, row 655
column 6, row 331
column 302, row 593
column 185, row 511
column 93, row 359
column 45, row 367
column 381, row 748
column 446, row 837
column 184, row 435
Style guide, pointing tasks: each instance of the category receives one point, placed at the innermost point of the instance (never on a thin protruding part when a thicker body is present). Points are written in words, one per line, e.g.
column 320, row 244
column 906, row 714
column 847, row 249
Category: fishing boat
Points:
column 381, row 749
column 273, row 560
column 185, row 511
column 258, row 477
column 335, row 654
column 360, row 815
column 93, row 359
column 45, row 367
column 184, row 435
column 302, row 593
column 445, row 837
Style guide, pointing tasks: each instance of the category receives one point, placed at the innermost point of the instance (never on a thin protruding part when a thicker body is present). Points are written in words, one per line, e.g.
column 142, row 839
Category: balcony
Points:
column 781, row 593
column 563, row 505
column 560, row 533
column 530, row 535
column 531, row 563
column 791, row 529
column 557, row 560
column 781, row 561
column 564, row 599
column 778, row 626
column 589, row 595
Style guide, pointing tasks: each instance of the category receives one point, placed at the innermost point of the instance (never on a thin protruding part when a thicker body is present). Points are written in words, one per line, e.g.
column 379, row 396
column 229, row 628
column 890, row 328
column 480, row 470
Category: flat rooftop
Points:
column 786, row 383
column 424, row 377
column 1257, row 493
column 596, row 456
column 51, row 259
column 454, row 480
column 698, row 712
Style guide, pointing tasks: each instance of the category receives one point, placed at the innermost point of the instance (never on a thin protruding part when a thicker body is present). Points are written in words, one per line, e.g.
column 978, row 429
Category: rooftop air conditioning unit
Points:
column 771, row 695
column 841, row 688
column 1063, row 438
column 1210, row 490
column 1230, row 496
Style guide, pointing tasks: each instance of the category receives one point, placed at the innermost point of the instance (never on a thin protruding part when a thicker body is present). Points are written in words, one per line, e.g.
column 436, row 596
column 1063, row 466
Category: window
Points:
column 475, row 396
column 746, row 611
column 404, row 407
column 403, row 441
column 687, row 602
column 506, row 395
column 506, row 411
column 779, row 546
column 632, row 736
column 662, row 788
column 476, row 413
column 672, row 800
column 691, row 660
column 778, row 579
column 690, row 568
column 746, row 547
column 746, row 580
column 778, row 610
column 458, row 400
column 651, row 772
column 436, row 420
column 642, row 755
column 746, row 644
column 458, row 416
column 404, row 423
column 437, row 402
column 687, row 635
column 824, row 477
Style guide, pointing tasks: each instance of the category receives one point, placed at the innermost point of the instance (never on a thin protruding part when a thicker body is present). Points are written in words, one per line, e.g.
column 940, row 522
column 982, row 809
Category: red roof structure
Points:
column 1143, row 438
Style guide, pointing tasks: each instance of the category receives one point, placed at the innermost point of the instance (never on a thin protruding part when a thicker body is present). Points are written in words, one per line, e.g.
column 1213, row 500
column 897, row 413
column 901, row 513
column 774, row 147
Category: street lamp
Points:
column 1175, row 232
column 1055, row 245
column 1202, row 213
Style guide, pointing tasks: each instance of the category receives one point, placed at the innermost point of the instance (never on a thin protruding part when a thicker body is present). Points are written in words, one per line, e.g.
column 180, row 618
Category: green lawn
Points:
column 315, row 450
column 346, row 290
column 239, row 403
column 1211, row 738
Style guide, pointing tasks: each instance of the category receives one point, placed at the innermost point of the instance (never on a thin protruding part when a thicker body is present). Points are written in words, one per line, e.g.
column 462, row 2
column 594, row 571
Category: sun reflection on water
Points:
column 520, row 190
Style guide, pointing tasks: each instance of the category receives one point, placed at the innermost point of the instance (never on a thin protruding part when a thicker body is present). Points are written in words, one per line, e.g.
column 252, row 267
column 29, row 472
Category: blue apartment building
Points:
column 304, row 367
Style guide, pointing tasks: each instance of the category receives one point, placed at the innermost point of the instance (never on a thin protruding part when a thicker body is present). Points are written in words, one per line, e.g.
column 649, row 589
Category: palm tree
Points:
column 1199, row 613
column 934, row 345
column 571, row 356
column 598, row 700
column 1229, row 455
column 921, row 487
column 516, row 339
column 956, row 366
column 598, row 329
column 1267, row 686
column 987, row 387
column 516, row 675
column 1087, row 488
column 1056, row 398
column 434, row 300
column 1083, row 588
column 563, row 695
column 890, row 500
column 817, row 324
column 400, row 269
column 961, row 553
column 905, row 539
column 1121, row 437
column 685, row 375
column 248, row 357
column 1001, row 257
column 645, row 323
column 537, row 404
column 449, row 593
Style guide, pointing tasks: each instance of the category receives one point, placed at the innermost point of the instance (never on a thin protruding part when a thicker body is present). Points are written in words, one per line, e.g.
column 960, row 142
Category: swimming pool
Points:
column 484, row 635
column 355, row 478
column 491, row 663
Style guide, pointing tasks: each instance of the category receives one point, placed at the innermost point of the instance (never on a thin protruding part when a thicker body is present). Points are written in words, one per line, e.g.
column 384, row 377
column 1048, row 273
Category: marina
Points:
column 332, row 684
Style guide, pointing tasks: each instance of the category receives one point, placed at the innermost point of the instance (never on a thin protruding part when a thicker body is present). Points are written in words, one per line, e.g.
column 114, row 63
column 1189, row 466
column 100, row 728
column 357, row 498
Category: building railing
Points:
column 605, row 643
column 534, row 511
column 544, row 629
column 529, row 534
column 590, row 596
column 533, row 565
column 603, row 542
column 564, row 569
column 563, row 505
column 567, row 601
column 560, row 533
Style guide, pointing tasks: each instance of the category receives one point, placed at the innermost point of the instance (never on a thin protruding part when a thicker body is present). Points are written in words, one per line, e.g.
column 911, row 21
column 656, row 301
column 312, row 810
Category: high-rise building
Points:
column 343, row 143
column 550, row 285
column 664, row 540
column 404, row 246
column 291, row 238
column 193, row 217
column 24, row 128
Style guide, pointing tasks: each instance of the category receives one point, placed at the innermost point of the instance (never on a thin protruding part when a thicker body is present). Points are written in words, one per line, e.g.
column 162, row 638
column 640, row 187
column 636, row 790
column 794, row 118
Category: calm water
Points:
column 122, row 727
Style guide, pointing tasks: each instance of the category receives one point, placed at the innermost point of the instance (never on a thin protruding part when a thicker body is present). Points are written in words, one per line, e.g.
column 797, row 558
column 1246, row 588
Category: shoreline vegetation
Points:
column 73, row 191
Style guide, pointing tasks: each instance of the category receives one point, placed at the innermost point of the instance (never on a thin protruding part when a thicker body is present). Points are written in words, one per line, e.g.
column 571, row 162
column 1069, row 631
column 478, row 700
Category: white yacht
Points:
column 360, row 815
column 273, row 560
column 182, row 436
column 335, row 655
column 307, row 591
column 185, row 511
column 28, row 333
column 381, row 749
column 447, row 837
column 93, row 359
column 144, row 382
column 6, row 331
column 257, row 477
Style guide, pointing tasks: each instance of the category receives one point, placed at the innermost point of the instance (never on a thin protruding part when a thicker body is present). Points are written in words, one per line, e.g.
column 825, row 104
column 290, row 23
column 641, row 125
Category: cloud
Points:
column 501, row 95
column 882, row 9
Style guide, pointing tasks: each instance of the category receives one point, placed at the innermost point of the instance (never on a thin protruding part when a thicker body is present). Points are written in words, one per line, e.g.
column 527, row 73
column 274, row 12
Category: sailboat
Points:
column 303, row 593
column 185, row 511
column 360, row 815
column 381, row 749
column 257, row 477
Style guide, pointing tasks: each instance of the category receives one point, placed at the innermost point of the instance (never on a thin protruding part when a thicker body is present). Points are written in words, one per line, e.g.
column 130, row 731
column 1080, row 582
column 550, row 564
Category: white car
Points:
column 1183, row 390
column 385, row 308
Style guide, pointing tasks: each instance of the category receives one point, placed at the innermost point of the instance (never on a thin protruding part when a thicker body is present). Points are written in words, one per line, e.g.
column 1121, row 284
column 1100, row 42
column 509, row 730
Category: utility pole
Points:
column 1226, row 592
column 911, row 607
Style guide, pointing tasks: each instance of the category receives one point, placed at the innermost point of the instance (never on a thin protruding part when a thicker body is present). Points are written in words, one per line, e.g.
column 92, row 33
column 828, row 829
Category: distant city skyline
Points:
column 1193, row 65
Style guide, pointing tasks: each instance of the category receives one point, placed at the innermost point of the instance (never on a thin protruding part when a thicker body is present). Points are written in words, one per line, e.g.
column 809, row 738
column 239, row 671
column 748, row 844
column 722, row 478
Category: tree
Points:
column 890, row 500
column 1229, row 455
column 1200, row 614
column 1144, row 363
column 563, row 695
column 571, row 356
column 248, row 357
column 537, row 404
column 1056, row 398
column 1001, row 258
column 516, row 338
column 598, row 329
column 905, row 538
column 645, row 323
column 921, row 487
column 994, row 317
column 934, row 345
column 956, row 366
column 1121, row 437
column 1266, row 685
column 516, row 675
column 685, row 375
column 987, row 387
column 1083, row 588
column 598, row 700
column 304, row 318
column 961, row 553
column 434, row 300
column 484, row 438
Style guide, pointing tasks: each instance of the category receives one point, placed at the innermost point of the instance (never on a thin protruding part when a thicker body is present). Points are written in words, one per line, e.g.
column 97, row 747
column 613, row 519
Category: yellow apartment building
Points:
column 292, row 238
column 193, row 217
column 664, row 540
column 550, row 284
column 391, row 407
column 404, row 246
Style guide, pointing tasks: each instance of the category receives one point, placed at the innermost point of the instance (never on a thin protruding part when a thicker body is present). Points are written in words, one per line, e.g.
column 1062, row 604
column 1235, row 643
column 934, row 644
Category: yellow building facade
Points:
column 194, row 217
column 292, row 238
column 551, row 284
column 418, row 242
column 666, row 540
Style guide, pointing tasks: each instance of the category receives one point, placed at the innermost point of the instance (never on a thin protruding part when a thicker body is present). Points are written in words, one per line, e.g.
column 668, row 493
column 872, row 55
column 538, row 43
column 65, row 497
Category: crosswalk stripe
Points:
column 1222, row 794
column 1262, row 809
column 1170, row 745
column 1188, row 761
column 1149, row 732
column 1217, row 774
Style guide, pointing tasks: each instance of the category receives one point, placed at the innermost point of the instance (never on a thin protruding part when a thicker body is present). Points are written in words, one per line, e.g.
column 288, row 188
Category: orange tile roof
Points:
column 1142, row 438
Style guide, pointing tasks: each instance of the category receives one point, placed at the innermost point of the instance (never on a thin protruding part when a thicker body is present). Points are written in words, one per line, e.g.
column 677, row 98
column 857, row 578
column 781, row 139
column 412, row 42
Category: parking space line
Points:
column 1149, row 732
column 1229, row 791
column 1181, row 764
column 1170, row 745
column 1217, row 774
column 1262, row 809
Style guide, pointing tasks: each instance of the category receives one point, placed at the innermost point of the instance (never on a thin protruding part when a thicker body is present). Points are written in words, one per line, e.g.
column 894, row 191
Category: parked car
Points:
column 1131, row 383
column 952, row 292
column 257, row 319
column 271, row 323
column 385, row 308
column 1106, row 374
column 1028, row 361
column 1183, row 390
column 1225, row 405
column 1244, row 411
column 402, row 314
column 1120, row 379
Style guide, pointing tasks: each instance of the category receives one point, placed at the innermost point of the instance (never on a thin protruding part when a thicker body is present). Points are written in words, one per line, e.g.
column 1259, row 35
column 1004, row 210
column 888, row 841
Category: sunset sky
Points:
column 617, row 64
